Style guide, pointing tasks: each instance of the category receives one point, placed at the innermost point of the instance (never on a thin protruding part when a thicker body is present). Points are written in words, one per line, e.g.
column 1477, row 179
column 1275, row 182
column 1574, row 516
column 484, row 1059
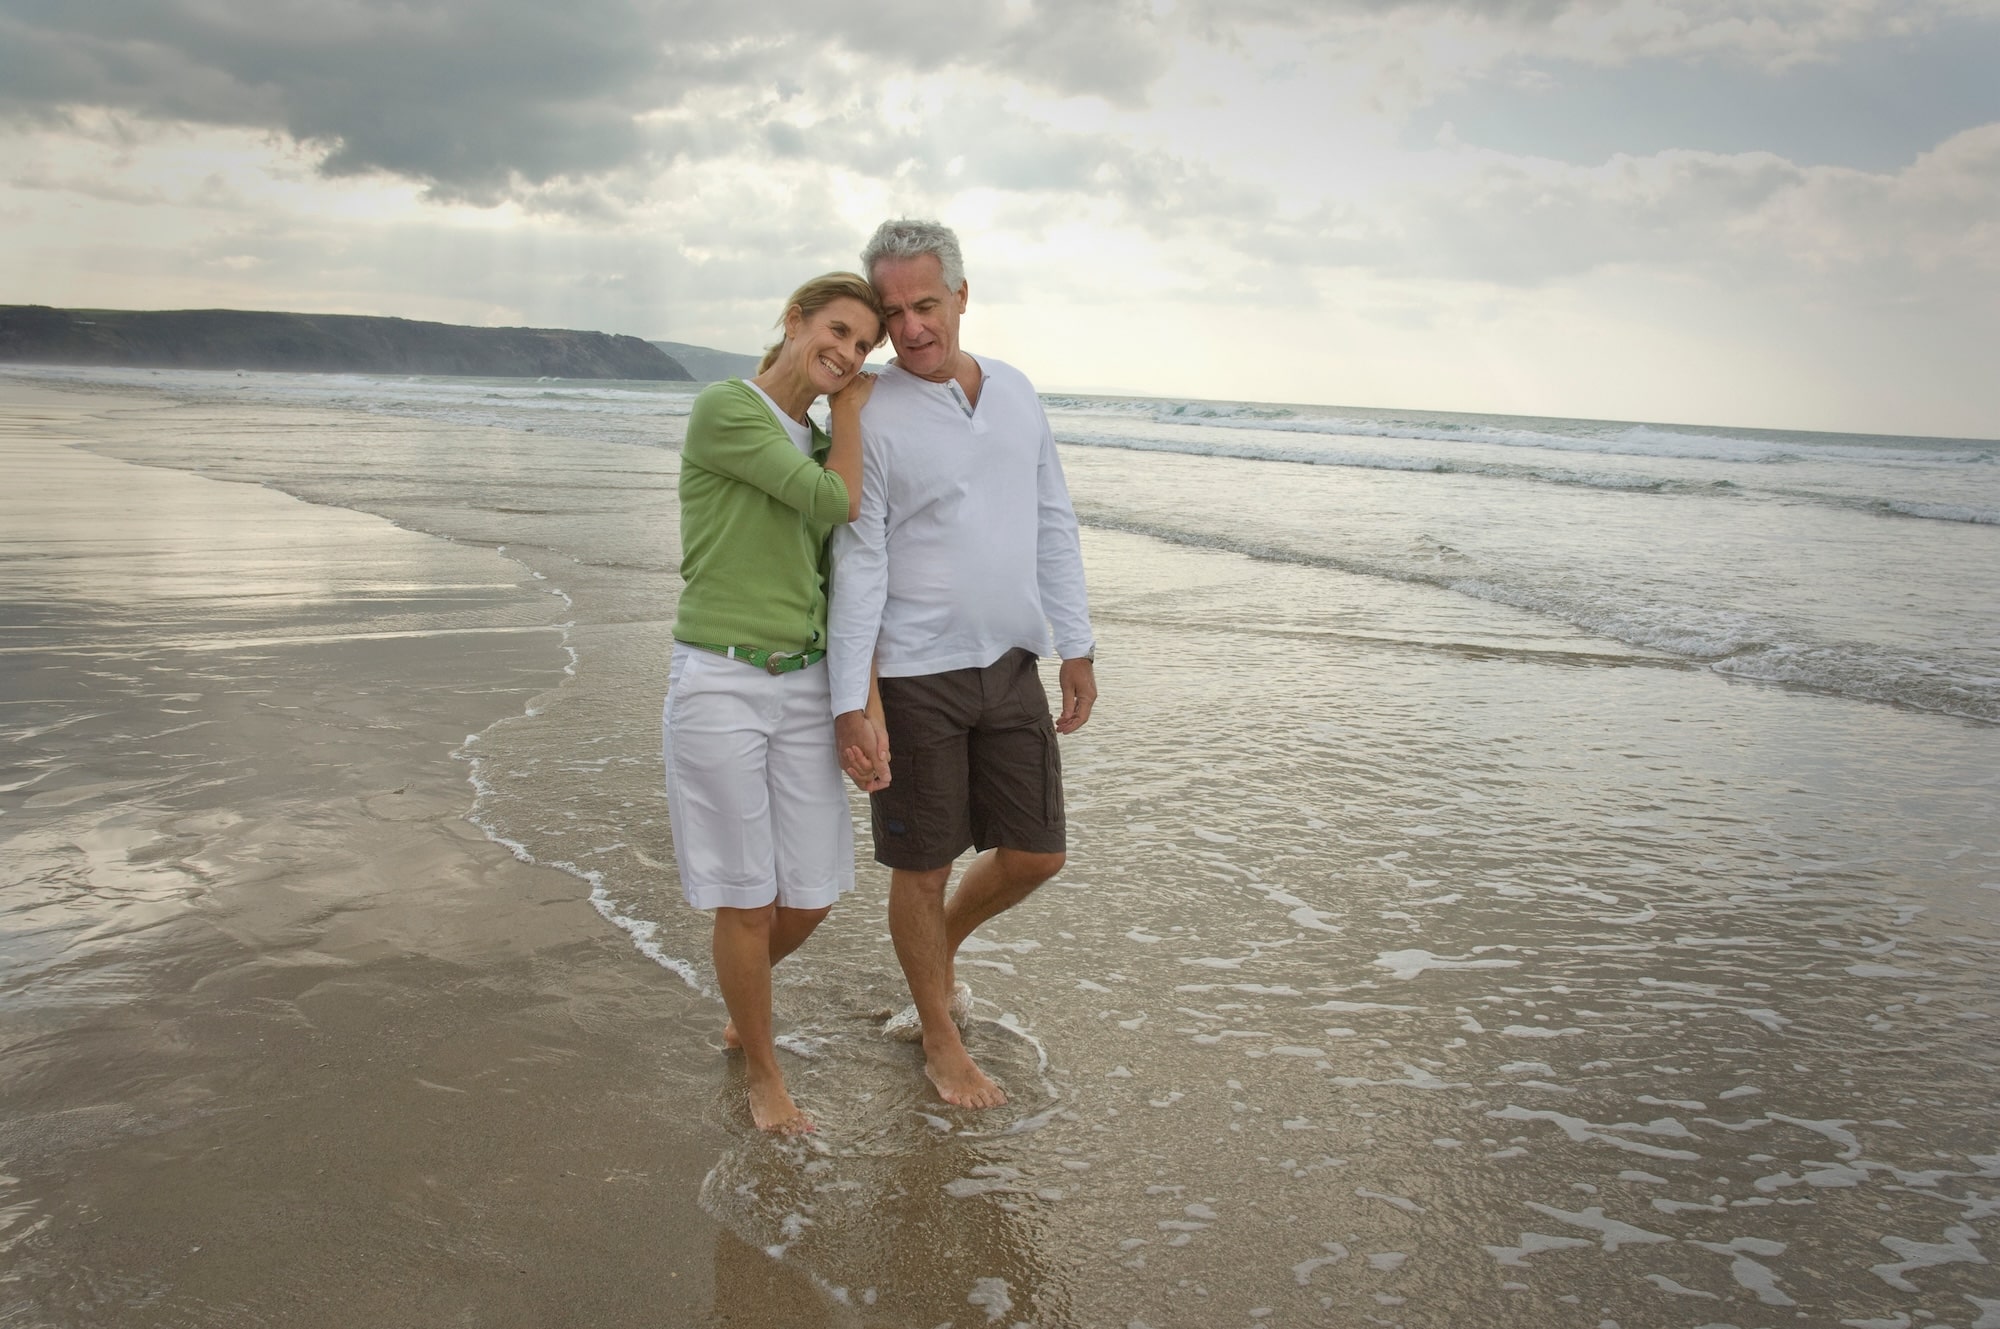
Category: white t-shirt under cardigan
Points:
column 966, row 546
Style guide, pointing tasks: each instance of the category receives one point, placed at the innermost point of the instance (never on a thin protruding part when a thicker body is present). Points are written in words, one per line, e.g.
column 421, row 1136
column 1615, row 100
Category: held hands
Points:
column 864, row 749
column 1078, row 681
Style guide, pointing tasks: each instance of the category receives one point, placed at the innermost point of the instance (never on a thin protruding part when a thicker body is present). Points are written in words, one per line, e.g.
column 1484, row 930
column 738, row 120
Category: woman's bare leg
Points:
column 788, row 933
column 742, row 950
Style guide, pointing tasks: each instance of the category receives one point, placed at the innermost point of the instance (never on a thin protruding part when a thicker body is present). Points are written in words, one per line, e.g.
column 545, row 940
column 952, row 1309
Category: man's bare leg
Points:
column 928, row 931
column 788, row 932
column 992, row 883
column 742, row 952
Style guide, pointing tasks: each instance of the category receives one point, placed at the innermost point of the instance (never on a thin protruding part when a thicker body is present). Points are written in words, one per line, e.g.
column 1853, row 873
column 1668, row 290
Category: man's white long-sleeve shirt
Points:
column 966, row 546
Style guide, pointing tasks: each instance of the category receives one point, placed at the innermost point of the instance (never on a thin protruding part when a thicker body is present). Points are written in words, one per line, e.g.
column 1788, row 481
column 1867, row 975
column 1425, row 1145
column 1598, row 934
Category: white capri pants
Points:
column 754, row 786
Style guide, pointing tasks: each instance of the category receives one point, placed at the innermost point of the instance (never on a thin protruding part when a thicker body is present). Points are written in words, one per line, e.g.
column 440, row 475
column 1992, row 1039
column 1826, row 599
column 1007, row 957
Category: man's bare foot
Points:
column 771, row 1107
column 958, row 1079
column 730, row 1038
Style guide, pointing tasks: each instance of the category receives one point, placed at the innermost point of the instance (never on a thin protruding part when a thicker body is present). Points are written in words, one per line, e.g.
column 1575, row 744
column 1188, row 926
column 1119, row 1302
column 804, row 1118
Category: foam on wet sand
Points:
column 1598, row 989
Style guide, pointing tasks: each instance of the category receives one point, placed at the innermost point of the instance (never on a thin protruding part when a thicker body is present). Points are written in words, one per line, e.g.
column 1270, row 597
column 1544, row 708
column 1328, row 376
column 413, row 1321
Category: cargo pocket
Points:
column 1052, row 791
column 1026, row 697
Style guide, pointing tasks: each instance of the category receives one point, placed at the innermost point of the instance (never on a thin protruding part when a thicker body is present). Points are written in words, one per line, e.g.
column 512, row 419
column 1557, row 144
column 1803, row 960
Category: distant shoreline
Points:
column 320, row 343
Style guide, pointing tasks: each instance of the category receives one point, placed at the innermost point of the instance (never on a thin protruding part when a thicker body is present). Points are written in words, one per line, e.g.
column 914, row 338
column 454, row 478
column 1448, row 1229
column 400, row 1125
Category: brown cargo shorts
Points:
column 974, row 764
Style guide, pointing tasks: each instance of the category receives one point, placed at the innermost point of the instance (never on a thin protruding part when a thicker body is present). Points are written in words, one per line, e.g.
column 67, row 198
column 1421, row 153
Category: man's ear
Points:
column 964, row 289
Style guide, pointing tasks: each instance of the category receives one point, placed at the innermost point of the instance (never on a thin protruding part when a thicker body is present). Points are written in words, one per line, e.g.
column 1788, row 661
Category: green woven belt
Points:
column 771, row 662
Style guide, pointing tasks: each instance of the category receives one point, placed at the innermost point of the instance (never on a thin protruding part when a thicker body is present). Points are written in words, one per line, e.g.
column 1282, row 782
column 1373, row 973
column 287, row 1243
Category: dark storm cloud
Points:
column 470, row 95
column 457, row 94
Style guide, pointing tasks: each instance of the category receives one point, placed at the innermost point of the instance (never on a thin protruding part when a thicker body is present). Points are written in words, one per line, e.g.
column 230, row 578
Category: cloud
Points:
column 1107, row 48
column 1468, row 33
column 583, row 110
column 479, row 97
column 1874, row 104
column 1203, row 177
column 1746, row 220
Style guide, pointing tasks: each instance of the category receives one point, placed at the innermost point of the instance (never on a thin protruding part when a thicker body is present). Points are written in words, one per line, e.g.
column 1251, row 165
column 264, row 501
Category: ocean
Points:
column 1523, row 871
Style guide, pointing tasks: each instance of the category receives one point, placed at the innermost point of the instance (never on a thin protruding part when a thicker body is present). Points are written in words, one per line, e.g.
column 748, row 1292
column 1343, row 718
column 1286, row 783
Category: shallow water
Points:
column 1431, row 952
column 138, row 602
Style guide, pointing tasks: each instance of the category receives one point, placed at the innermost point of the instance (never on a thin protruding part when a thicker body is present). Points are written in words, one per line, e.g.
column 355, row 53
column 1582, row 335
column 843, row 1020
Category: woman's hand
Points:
column 855, row 395
column 864, row 749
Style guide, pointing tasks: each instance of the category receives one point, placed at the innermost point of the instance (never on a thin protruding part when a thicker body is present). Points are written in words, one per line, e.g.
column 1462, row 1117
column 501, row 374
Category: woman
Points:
column 762, row 834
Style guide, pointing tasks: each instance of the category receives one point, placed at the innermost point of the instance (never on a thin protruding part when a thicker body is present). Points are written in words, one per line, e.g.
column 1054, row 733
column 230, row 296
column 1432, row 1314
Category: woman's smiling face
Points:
column 832, row 342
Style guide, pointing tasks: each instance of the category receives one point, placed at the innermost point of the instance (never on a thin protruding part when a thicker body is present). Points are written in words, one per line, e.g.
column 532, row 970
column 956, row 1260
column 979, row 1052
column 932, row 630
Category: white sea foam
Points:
column 1834, row 1130
column 1775, row 645
column 1350, row 1006
column 642, row 931
column 1612, row 1232
column 1304, row 1270
column 1411, row 963
column 1534, row 1243
column 1582, row 1131
column 1960, row 1246
column 1557, row 435
column 1414, row 1077
column 1403, row 1202
column 991, row 1296
column 1634, row 458
column 1822, row 1176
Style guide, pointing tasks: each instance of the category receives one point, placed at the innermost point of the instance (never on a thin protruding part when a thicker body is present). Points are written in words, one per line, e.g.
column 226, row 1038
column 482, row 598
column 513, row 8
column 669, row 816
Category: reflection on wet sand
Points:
column 1421, row 960
column 882, row 1204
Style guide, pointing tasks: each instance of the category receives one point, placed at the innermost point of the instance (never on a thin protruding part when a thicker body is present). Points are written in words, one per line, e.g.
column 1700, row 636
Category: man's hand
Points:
column 864, row 750
column 1078, row 680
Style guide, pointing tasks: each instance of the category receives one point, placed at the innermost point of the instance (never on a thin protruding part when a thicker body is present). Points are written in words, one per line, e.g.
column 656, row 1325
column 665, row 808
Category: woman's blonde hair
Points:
column 816, row 295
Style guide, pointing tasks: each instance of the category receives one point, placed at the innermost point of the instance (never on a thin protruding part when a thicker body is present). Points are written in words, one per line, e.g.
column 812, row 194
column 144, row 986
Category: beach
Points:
column 273, row 1006
column 1522, row 873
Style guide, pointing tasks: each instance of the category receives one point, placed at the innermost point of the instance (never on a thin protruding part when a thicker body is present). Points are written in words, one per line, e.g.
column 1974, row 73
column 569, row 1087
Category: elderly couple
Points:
column 953, row 552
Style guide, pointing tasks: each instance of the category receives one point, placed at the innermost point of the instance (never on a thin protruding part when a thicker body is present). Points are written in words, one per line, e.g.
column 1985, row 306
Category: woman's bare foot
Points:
column 958, row 1079
column 730, row 1038
column 771, row 1107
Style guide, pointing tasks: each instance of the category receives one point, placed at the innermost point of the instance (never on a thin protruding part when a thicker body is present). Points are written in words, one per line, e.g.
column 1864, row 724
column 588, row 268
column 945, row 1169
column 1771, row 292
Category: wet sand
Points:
column 286, row 1039
column 1422, row 960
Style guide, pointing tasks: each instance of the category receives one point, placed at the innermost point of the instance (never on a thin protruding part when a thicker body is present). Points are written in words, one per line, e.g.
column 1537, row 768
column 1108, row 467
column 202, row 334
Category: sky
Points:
column 1775, row 213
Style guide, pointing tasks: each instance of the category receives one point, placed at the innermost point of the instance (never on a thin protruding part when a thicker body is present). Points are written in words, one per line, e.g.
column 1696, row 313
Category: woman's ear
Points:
column 793, row 318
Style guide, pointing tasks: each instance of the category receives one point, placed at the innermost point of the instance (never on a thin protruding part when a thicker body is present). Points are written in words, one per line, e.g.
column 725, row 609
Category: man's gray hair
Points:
column 913, row 237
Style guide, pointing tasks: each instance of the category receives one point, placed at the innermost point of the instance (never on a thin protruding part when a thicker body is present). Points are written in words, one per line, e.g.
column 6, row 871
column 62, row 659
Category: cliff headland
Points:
column 319, row 343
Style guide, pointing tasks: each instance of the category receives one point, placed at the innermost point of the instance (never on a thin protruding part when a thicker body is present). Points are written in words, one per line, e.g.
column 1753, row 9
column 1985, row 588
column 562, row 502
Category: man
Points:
column 964, row 556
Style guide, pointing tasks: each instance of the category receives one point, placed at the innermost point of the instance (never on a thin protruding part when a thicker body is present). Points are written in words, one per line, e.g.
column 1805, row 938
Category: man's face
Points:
column 923, row 314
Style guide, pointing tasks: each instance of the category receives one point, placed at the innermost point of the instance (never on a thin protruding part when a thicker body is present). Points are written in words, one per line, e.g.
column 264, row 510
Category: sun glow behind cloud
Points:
column 1252, row 200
